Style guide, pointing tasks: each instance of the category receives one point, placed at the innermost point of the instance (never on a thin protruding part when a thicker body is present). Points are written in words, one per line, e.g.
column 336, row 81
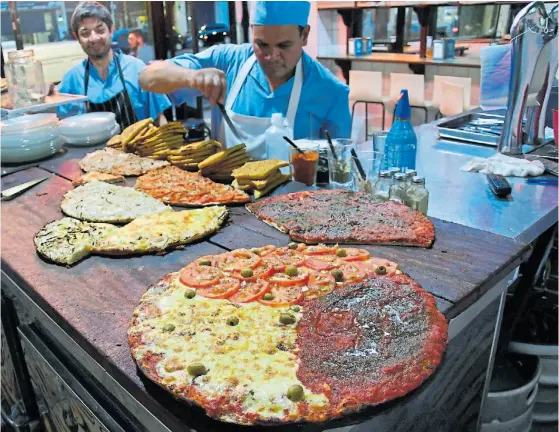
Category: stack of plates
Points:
column 89, row 129
column 29, row 138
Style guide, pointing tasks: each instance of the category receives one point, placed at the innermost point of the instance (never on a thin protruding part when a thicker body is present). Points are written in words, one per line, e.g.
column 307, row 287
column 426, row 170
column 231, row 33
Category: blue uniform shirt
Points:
column 324, row 102
column 100, row 91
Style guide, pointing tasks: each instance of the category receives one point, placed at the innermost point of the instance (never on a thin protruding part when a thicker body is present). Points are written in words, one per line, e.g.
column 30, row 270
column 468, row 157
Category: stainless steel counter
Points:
column 465, row 198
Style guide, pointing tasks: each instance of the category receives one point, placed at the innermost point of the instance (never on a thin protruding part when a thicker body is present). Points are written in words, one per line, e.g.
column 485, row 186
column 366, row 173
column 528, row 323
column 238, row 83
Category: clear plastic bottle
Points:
column 418, row 195
column 276, row 146
column 398, row 189
column 382, row 186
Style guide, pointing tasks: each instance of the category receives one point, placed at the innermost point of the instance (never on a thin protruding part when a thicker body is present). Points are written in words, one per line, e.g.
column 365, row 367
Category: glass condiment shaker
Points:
column 410, row 174
column 393, row 172
column 418, row 195
column 26, row 82
column 382, row 186
column 398, row 188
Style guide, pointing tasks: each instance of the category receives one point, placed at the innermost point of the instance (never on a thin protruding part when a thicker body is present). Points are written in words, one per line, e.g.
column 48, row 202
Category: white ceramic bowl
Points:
column 86, row 124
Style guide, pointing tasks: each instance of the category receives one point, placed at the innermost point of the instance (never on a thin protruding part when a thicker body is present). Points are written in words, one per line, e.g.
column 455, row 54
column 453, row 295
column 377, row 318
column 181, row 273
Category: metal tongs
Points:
column 230, row 123
column 12, row 192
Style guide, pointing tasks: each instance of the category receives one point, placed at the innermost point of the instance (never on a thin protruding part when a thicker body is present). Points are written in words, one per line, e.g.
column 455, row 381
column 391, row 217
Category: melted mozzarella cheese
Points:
column 158, row 231
column 255, row 361
column 102, row 202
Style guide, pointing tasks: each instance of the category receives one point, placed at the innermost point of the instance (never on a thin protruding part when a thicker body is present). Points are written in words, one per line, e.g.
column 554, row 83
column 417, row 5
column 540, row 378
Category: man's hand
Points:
column 211, row 83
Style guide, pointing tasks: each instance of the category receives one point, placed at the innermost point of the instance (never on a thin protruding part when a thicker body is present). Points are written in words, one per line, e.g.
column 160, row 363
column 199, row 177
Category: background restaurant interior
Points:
column 446, row 109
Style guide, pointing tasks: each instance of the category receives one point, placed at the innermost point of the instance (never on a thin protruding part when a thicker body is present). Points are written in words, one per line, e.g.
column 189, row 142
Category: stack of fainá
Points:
column 189, row 156
column 145, row 139
column 219, row 166
column 261, row 177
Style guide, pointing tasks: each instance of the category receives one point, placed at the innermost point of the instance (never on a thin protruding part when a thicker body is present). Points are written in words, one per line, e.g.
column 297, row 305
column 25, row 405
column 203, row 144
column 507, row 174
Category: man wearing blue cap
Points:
column 254, row 81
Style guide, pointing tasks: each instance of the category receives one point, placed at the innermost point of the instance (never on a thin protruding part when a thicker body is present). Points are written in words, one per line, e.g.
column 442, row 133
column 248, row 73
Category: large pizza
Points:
column 290, row 334
column 342, row 216
column 174, row 186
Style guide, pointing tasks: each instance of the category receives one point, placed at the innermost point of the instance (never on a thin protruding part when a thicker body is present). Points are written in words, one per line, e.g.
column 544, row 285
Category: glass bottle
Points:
column 382, row 186
column 401, row 141
column 398, row 189
column 26, row 82
column 393, row 172
column 418, row 195
column 410, row 174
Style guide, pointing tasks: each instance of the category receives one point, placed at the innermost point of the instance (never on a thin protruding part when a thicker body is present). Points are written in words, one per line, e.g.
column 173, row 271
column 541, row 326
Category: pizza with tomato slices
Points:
column 342, row 216
column 177, row 187
column 290, row 334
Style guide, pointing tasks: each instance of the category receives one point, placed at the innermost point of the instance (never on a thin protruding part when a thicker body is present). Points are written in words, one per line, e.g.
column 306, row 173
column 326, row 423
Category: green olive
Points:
column 268, row 296
column 189, row 293
column 232, row 321
column 291, row 271
column 168, row 327
column 197, row 369
column 246, row 273
column 338, row 275
column 286, row 318
column 293, row 245
column 255, row 251
column 205, row 262
column 295, row 393
column 341, row 253
column 380, row 270
column 295, row 308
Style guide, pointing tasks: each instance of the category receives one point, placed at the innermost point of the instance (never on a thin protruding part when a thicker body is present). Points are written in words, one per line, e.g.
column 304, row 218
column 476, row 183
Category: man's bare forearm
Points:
column 165, row 77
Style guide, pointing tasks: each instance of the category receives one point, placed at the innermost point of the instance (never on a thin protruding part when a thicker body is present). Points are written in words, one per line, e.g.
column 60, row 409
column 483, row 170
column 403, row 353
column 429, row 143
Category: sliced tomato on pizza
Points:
column 279, row 296
column 200, row 276
column 250, row 291
column 225, row 288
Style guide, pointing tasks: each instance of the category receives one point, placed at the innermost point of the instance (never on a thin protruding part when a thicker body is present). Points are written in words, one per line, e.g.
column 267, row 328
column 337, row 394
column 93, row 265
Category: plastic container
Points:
column 438, row 50
column 276, row 146
column 401, row 141
column 512, row 394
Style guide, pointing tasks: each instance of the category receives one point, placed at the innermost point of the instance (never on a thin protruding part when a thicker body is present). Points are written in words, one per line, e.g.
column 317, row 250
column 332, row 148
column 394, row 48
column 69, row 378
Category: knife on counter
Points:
column 19, row 189
column 230, row 123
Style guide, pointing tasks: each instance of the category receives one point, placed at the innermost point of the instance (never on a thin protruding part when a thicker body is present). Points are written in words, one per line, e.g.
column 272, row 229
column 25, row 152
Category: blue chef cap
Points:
column 281, row 13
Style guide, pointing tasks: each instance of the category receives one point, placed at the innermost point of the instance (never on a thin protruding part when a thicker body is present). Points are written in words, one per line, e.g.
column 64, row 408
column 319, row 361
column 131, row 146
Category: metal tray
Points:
column 449, row 129
column 50, row 101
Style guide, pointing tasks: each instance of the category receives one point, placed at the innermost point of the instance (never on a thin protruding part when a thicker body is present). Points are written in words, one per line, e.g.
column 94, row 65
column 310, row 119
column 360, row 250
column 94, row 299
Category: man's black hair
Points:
column 90, row 9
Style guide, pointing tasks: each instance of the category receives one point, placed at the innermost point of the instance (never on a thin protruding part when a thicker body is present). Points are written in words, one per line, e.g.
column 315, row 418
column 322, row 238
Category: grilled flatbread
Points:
column 97, row 176
column 67, row 241
column 102, row 202
column 159, row 232
column 116, row 162
column 259, row 170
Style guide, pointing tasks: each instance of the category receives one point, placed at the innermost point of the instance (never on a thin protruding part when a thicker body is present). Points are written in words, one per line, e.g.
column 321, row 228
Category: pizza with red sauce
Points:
column 291, row 334
column 342, row 216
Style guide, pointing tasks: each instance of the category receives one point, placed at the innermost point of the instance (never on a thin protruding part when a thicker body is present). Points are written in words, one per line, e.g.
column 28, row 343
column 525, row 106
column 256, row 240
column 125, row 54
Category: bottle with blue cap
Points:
column 401, row 142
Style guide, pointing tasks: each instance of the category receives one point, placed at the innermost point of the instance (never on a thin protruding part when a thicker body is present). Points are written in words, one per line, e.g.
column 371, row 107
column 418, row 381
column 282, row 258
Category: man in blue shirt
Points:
column 109, row 80
column 254, row 81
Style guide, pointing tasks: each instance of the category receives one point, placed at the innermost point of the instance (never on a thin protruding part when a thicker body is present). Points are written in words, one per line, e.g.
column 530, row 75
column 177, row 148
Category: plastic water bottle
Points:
column 276, row 146
column 401, row 142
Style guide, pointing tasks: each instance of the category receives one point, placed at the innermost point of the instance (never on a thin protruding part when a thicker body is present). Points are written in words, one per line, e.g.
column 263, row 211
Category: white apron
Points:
column 252, row 128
